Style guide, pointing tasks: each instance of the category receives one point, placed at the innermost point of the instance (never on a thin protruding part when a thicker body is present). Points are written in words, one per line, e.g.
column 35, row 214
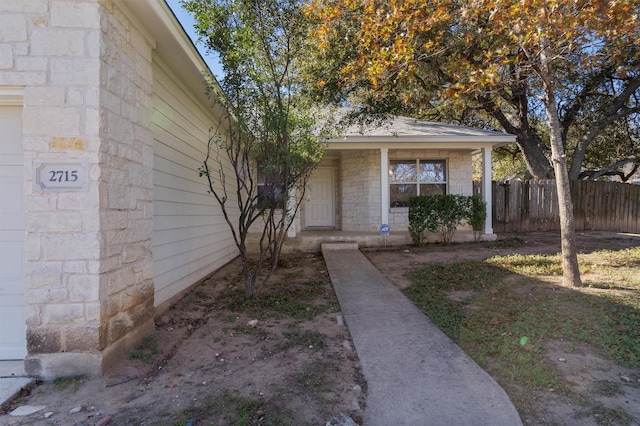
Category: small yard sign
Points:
column 384, row 229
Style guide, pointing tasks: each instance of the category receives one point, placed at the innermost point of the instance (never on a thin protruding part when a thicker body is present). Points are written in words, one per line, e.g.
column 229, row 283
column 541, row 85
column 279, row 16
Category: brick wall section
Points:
column 87, row 79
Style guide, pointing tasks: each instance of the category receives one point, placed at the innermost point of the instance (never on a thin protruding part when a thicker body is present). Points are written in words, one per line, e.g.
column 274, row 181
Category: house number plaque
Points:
column 61, row 176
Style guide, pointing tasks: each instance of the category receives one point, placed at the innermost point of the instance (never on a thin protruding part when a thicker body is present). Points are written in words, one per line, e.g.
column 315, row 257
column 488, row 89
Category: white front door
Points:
column 13, row 343
column 319, row 198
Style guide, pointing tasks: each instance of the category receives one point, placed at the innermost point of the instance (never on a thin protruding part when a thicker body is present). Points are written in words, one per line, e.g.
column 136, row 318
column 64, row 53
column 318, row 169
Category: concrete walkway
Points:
column 416, row 375
column 12, row 380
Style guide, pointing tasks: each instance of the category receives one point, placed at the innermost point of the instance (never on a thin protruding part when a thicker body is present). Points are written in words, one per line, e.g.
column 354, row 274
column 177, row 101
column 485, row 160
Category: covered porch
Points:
column 361, row 188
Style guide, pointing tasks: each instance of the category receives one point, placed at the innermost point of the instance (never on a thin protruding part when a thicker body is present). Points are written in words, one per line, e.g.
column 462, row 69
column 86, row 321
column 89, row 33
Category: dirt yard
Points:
column 286, row 360
column 214, row 361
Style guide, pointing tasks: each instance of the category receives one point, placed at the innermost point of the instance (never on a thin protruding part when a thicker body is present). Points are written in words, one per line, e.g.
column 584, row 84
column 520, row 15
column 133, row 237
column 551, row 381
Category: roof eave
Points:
column 420, row 142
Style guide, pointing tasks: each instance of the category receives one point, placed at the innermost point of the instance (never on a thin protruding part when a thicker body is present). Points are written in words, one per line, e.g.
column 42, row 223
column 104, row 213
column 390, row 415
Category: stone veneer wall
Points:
column 86, row 73
column 126, row 181
column 359, row 184
column 360, row 190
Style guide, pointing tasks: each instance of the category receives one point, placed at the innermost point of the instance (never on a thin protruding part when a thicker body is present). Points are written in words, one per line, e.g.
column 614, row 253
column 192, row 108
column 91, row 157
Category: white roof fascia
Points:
column 420, row 142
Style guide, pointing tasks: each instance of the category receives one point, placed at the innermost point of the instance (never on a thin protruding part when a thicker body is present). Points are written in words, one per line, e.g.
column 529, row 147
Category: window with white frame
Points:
column 415, row 177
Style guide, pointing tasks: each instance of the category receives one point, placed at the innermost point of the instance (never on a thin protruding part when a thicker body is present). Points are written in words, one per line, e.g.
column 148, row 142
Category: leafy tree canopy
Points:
column 539, row 68
column 479, row 62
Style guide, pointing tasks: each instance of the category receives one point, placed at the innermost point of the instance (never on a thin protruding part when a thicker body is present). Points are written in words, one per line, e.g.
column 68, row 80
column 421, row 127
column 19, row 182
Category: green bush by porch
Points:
column 443, row 214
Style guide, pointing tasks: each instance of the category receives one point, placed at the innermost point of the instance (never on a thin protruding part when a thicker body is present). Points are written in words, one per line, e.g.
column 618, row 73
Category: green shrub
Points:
column 477, row 216
column 419, row 208
column 443, row 214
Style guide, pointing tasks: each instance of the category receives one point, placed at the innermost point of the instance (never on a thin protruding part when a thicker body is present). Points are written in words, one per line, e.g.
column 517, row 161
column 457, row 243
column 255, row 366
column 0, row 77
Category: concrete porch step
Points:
column 338, row 246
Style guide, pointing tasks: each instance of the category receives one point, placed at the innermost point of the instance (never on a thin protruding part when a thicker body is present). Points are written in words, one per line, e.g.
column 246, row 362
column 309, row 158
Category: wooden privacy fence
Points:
column 532, row 205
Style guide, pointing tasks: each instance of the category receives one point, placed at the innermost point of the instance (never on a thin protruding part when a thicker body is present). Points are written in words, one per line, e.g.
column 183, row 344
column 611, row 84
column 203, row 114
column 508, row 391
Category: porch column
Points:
column 384, row 185
column 486, row 187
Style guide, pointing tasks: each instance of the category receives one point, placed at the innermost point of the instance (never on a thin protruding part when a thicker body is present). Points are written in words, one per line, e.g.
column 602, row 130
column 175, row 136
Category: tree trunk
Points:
column 570, row 271
column 534, row 156
column 533, row 149
column 248, row 275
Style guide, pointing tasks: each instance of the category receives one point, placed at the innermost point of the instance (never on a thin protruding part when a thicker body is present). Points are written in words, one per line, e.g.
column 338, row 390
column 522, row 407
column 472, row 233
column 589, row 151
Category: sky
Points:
column 187, row 21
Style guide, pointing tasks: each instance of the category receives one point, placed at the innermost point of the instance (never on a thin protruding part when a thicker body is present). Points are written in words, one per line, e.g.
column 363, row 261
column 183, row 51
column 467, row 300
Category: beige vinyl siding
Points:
column 190, row 236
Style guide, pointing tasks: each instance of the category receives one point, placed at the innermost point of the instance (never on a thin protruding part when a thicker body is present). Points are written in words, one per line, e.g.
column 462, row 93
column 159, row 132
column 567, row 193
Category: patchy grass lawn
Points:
column 510, row 314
